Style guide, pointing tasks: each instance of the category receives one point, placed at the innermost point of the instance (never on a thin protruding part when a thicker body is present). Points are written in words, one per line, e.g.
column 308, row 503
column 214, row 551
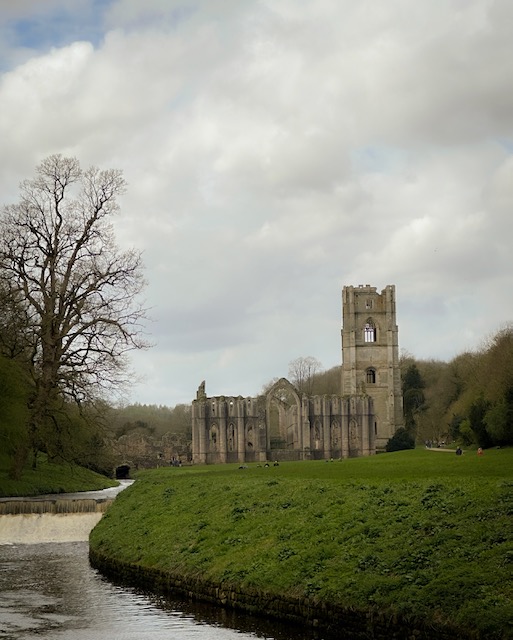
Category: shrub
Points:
column 402, row 439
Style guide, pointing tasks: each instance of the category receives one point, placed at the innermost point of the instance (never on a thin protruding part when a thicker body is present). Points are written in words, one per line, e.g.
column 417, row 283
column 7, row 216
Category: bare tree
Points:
column 267, row 386
column 302, row 372
column 60, row 266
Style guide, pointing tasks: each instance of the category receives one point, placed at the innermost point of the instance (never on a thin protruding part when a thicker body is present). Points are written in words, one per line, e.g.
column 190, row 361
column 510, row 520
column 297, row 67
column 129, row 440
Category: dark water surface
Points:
column 49, row 591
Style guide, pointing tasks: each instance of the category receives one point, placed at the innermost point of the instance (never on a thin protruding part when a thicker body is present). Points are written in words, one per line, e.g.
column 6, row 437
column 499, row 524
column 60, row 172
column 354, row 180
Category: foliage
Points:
column 455, row 426
column 154, row 420
column 476, row 418
column 71, row 293
column 14, row 394
column 466, row 435
column 78, row 437
column 418, row 532
column 402, row 439
column 413, row 396
column 467, row 399
column 412, row 378
column 327, row 382
column 498, row 421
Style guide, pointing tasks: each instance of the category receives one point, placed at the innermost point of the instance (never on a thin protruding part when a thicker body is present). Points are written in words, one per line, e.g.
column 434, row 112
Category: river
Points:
column 49, row 591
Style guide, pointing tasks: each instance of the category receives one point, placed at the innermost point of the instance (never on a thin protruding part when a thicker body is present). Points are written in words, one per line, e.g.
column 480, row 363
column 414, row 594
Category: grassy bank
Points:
column 422, row 534
column 50, row 478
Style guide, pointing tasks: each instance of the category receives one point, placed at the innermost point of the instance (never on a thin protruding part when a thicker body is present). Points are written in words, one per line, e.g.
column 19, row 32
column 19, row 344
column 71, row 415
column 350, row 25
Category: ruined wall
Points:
column 282, row 425
column 140, row 450
column 287, row 425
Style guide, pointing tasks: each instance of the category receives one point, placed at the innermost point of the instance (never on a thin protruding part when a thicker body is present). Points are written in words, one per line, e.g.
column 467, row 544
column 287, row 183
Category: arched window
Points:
column 370, row 332
column 371, row 376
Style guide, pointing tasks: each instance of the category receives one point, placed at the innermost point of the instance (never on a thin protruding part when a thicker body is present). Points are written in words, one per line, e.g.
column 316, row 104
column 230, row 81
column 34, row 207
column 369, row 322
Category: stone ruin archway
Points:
column 283, row 417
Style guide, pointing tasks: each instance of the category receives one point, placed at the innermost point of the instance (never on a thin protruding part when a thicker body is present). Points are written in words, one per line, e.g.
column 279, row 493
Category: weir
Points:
column 54, row 518
column 36, row 528
column 56, row 505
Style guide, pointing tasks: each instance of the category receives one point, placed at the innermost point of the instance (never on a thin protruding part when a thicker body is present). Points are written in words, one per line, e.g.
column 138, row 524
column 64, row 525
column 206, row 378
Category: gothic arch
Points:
column 316, row 439
column 370, row 331
column 283, row 414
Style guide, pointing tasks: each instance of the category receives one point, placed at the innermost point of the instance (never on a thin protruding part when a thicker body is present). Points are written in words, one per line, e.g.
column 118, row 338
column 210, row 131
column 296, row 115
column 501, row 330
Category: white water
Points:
column 67, row 517
column 32, row 528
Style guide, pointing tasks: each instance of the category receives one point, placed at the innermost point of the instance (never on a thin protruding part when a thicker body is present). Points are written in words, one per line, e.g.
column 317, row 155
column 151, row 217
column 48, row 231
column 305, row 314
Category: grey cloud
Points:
column 276, row 151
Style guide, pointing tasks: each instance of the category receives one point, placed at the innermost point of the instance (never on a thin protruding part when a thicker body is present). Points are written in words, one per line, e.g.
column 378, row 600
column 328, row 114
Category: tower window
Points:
column 370, row 332
column 371, row 376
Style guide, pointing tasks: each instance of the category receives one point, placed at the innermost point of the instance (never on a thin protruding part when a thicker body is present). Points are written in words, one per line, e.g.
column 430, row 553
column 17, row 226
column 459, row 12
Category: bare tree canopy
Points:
column 302, row 371
column 73, row 296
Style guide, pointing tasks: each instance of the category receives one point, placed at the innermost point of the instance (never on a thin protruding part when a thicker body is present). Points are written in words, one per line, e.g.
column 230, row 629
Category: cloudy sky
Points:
column 275, row 151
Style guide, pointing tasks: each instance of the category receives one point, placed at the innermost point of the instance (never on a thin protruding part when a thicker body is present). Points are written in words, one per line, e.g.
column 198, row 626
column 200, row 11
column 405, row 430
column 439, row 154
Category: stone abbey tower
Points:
column 285, row 424
column 370, row 355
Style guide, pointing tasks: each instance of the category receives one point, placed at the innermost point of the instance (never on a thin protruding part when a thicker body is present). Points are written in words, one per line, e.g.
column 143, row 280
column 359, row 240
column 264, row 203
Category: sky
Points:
column 275, row 152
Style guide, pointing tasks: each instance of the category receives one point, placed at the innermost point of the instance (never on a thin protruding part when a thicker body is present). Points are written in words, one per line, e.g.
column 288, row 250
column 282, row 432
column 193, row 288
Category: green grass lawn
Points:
column 50, row 478
column 422, row 533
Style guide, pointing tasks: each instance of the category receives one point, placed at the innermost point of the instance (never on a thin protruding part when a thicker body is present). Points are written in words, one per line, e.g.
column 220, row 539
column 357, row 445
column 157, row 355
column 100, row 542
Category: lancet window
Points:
column 370, row 331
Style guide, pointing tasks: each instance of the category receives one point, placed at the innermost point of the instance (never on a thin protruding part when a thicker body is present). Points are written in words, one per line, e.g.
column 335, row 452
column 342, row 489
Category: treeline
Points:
column 468, row 400
column 153, row 420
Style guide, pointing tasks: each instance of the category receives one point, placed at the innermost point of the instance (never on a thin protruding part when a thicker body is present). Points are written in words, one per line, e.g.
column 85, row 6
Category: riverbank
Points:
column 50, row 478
column 396, row 545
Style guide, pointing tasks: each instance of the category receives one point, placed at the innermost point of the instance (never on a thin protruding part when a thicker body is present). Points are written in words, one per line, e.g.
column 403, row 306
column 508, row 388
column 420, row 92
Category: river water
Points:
column 49, row 591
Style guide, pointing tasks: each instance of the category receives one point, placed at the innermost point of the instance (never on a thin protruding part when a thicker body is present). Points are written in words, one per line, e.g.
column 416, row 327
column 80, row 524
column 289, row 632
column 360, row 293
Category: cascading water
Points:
column 60, row 518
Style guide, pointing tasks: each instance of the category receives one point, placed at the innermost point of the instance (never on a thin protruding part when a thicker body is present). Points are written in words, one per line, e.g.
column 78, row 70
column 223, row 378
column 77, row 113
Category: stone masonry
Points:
column 285, row 424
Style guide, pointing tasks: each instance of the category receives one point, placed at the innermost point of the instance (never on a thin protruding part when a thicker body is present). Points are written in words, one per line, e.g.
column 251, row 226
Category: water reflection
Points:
column 50, row 591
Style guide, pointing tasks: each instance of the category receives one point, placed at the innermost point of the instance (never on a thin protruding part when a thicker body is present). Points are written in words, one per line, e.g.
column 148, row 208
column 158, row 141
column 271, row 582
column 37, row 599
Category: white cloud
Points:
column 275, row 152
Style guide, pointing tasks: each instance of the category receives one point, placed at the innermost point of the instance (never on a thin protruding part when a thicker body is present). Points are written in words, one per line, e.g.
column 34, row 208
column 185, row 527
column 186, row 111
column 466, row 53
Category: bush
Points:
column 402, row 439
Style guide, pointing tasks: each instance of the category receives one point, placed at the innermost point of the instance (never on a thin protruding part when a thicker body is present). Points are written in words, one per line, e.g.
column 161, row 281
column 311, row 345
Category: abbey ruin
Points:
column 285, row 424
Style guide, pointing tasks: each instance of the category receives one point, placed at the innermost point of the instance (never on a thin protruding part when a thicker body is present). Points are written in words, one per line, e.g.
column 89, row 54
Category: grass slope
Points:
column 50, row 478
column 421, row 533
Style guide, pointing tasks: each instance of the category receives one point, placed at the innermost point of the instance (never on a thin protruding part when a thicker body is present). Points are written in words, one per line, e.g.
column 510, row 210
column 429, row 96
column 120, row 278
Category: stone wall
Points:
column 332, row 620
column 141, row 450
column 282, row 425
column 370, row 354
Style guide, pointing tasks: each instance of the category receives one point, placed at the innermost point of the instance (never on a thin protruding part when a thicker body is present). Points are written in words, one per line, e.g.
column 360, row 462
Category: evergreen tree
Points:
column 413, row 396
